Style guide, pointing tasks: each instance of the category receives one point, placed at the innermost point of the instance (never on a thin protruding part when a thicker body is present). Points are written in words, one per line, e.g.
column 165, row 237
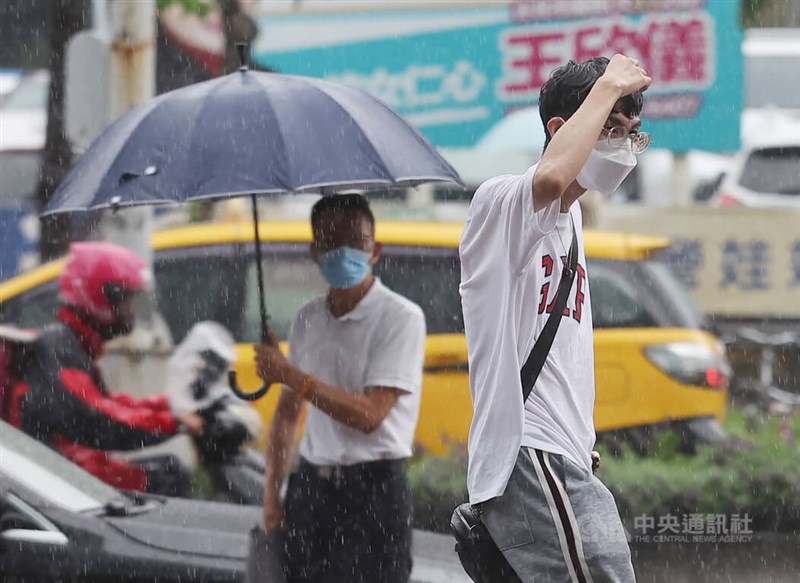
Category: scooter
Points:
column 196, row 376
column 196, row 382
column 236, row 471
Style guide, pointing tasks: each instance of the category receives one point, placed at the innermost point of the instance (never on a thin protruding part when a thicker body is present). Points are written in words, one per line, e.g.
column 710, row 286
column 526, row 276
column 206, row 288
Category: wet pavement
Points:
column 435, row 560
column 766, row 558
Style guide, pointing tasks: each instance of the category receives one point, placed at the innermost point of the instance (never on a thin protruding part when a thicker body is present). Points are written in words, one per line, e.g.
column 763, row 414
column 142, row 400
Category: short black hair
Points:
column 342, row 202
column 568, row 87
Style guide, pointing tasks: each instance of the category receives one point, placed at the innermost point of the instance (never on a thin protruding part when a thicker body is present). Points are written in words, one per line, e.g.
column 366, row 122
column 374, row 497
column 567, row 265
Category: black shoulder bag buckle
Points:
column 479, row 555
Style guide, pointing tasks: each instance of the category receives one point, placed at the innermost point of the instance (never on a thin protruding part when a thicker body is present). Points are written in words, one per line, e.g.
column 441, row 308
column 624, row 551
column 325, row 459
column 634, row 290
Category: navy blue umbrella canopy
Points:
column 249, row 133
column 246, row 134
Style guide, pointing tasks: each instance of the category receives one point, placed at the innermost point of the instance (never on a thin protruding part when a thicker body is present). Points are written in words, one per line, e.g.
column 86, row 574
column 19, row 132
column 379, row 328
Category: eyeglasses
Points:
column 618, row 137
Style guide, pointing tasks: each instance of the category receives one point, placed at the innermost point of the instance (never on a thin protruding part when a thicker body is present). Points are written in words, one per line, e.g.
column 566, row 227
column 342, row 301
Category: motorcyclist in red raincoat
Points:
column 62, row 399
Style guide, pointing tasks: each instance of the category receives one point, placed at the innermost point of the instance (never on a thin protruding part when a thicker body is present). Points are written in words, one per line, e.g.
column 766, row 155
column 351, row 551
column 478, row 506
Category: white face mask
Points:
column 607, row 167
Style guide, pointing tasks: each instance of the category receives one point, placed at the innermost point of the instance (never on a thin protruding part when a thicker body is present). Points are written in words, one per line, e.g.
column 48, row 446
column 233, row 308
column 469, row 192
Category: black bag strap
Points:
column 533, row 365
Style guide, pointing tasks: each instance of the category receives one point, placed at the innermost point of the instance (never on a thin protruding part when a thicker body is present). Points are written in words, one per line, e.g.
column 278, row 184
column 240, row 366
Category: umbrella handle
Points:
column 254, row 396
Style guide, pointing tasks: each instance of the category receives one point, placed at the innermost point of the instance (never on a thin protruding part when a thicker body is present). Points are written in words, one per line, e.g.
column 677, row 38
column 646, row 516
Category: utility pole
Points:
column 135, row 361
column 132, row 78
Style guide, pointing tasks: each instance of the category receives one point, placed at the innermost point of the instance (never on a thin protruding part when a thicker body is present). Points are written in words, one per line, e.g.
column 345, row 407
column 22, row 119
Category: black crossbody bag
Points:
column 479, row 555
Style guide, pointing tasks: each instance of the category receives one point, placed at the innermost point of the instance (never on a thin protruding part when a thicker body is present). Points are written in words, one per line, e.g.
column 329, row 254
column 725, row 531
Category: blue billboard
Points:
column 456, row 72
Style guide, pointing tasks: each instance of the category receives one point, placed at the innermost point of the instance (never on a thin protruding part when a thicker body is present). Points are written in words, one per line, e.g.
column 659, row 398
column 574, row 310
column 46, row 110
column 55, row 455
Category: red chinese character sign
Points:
column 456, row 72
column 677, row 51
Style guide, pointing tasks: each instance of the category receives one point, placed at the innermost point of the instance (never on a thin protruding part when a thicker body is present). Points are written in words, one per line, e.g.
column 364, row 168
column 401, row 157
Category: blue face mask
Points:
column 344, row 267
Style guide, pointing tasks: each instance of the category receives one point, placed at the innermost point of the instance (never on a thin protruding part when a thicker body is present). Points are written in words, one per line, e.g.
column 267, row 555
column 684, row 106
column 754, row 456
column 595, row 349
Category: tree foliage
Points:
column 754, row 472
column 199, row 7
column 751, row 9
column 770, row 13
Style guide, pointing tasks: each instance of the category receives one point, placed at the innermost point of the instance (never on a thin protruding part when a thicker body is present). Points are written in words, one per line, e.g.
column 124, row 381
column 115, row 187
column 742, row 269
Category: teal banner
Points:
column 457, row 72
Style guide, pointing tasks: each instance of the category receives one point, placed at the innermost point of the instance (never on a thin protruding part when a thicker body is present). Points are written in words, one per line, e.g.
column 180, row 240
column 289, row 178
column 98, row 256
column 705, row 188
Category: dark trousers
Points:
column 349, row 524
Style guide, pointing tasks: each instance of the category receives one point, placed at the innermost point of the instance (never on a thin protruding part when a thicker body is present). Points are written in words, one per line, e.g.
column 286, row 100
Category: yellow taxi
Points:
column 654, row 362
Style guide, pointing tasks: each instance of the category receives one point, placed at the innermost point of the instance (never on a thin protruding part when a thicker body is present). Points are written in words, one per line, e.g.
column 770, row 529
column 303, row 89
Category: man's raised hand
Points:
column 627, row 75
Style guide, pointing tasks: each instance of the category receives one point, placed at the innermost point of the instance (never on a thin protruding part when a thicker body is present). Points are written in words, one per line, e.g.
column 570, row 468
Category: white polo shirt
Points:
column 511, row 264
column 381, row 342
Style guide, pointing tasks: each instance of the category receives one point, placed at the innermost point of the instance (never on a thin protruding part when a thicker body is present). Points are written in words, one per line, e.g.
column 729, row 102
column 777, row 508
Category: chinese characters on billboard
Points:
column 456, row 72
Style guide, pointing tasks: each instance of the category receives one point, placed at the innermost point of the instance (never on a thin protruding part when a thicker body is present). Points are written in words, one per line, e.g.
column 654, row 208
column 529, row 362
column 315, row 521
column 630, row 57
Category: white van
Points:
column 766, row 171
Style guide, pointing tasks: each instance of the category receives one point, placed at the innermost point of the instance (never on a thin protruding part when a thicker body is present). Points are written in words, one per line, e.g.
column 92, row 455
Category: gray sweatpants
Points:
column 556, row 522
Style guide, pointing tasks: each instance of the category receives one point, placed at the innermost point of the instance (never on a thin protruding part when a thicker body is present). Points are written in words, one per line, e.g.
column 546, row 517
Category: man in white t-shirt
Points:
column 530, row 466
column 356, row 356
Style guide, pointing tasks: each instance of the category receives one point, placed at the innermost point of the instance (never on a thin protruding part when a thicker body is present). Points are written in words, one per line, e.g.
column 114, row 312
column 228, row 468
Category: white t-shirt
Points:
column 511, row 264
column 381, row 342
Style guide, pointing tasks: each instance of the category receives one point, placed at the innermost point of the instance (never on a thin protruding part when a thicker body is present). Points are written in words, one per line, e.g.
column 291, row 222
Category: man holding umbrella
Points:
column 356, row 355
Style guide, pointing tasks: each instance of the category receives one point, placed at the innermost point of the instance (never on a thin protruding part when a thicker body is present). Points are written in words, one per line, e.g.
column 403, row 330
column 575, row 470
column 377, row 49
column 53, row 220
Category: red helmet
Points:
column 98, row 276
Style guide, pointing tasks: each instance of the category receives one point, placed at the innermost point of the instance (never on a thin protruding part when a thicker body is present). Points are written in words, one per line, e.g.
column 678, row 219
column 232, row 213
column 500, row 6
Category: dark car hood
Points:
column 189, row 526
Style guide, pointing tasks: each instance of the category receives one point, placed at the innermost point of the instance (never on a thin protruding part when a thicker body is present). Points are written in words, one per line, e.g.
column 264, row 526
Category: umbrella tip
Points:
column 242, row 50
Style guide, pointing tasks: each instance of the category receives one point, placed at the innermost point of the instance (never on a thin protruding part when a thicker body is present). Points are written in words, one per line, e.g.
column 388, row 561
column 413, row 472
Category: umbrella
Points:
column 246, row 134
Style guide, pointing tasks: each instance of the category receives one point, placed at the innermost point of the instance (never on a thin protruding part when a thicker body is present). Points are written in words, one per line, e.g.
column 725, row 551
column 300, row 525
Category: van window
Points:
column 615, row 301
column 193, row 285
column 429, row 277
column 773, row 170
column 291, row 279
column 642, row 293
column 35, row 308
column 672, row 296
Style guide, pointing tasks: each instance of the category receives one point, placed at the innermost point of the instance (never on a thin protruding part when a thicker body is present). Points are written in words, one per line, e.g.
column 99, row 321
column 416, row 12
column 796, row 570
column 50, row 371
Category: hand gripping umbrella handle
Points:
column 236, row 389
